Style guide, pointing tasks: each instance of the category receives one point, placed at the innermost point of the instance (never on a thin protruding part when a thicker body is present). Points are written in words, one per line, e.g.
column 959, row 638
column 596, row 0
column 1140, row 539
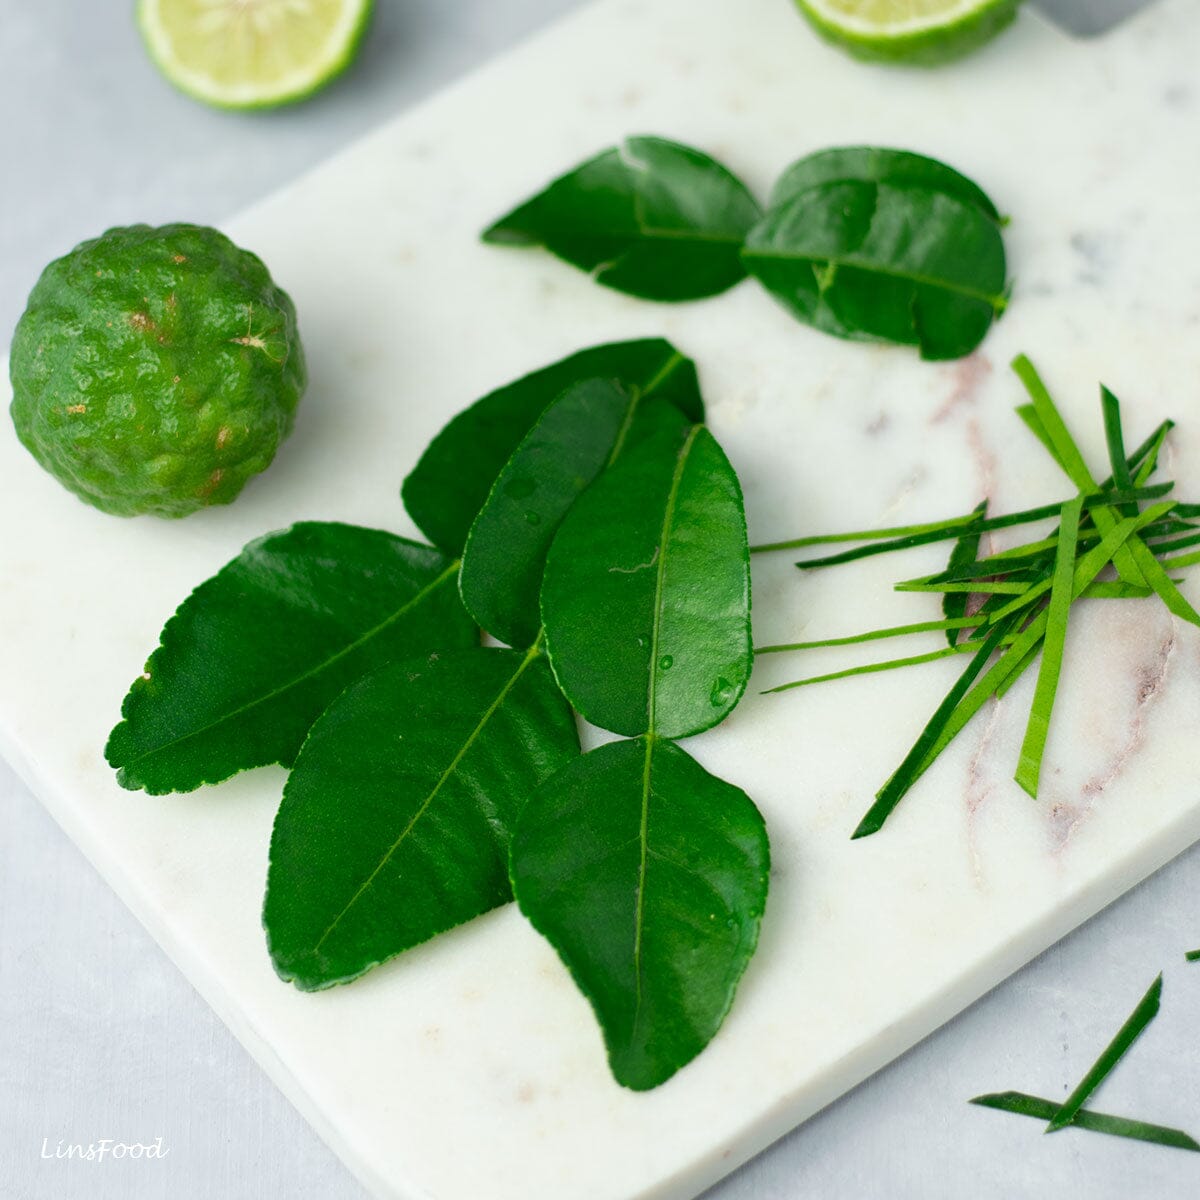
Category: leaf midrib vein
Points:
column 839, row 261
column 468, row 742
column 655, row 630
column 637, row 395
column 641, row 231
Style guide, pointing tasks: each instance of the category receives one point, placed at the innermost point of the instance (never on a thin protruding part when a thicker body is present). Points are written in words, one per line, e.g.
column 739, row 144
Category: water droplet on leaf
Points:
column 722, row 692
column 532, row 517
column 665, row 663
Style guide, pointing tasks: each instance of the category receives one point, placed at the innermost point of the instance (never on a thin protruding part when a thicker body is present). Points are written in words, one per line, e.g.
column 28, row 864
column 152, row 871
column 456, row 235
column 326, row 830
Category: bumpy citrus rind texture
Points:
column 923, row 48
column 212, row 95
column 155, row 370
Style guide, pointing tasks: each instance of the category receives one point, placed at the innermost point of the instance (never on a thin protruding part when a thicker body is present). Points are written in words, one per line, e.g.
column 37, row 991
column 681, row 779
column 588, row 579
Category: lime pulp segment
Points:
column 915, row 32
column 252, row 53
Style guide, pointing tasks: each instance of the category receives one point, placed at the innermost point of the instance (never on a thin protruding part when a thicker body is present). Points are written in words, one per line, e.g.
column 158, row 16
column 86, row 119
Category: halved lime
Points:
column 922, row 32
column 252, row 53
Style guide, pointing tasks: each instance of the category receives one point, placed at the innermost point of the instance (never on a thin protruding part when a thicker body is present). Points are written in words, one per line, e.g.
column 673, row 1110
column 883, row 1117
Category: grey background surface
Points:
column 100, row 1036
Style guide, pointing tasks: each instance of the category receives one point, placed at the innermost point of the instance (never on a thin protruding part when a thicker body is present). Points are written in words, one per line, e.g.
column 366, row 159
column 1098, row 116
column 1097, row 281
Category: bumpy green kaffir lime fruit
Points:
column 156, row 370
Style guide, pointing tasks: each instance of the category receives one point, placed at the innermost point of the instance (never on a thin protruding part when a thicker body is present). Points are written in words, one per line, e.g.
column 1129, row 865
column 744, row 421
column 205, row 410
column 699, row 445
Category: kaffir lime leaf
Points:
column 156, row 370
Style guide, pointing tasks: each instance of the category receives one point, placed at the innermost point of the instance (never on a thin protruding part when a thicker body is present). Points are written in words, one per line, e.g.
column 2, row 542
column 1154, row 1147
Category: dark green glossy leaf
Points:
column 571, row 443
column 450, row 483
column 877, row 164
column 396, row 818
column 649, row 217
column 649, row 877
column 1025, row 1105
column 876, row 262
column 646, row 594
column 255, row 653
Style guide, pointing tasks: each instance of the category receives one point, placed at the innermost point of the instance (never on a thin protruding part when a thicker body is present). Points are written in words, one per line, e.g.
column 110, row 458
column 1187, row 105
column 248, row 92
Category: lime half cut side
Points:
column 920, row 32
column 252, row 53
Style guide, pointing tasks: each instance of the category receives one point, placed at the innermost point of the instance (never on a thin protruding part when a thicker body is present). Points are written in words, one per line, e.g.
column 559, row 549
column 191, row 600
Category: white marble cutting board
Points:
column 471, row 1069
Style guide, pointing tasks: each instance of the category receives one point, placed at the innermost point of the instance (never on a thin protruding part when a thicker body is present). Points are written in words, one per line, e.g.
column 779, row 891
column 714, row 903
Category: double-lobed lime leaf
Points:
column 863, row 242
column 453, row 477
column 395, row 820
column 649, row 876
column 646, row 595
column 878, row 261
column 649, row 217
column 876, row 244
column 255, row 653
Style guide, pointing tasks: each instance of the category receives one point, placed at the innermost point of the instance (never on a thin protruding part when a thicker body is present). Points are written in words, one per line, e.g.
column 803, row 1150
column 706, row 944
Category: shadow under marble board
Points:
column 471, row 1066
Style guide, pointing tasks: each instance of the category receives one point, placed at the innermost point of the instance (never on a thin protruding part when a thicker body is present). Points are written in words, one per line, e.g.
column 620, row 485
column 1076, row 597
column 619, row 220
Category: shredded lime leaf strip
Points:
column 1108, row 589
column 1025, row 1105
column 1193, row 956
column 1114, row 589
column 1182, row 560
column 1033, row 422
column 1166, row 546
column 1115, row 439
column 1145, row 458
column 1034, row 555
column 873, row 635
column 893, row 791
column 953, row 525
column 1141, row 1016
column 1038, row 555
column 1156, row 576
column 965, row 550
column 1150, row 568
column 942, row 531
column 1086, row 570
column 1067, row 454
column 982, row 587
column 1021, row 667
column 873, row 668
column 1053, row 429
column 1032, row 748
column 1143, row 461
column 950, row 719
column 1043, row 585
